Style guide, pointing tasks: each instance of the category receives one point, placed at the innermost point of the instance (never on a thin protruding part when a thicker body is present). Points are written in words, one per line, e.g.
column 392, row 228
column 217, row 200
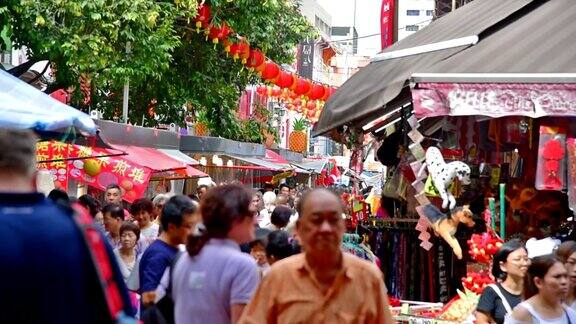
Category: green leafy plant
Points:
column 167, row 63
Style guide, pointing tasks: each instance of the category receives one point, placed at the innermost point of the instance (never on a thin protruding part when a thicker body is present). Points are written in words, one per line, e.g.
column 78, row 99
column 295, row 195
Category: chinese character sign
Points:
column 92, row 166
column 306, row 59
column 103, row 171
column 387, row 23
column 57, row 152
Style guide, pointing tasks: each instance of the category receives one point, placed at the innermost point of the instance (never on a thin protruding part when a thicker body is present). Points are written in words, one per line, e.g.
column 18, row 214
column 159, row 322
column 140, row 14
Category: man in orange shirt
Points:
column 321, row 285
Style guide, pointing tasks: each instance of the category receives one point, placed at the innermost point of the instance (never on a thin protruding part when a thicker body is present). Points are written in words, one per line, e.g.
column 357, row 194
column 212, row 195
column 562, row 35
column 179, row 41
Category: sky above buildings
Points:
column 367, row 21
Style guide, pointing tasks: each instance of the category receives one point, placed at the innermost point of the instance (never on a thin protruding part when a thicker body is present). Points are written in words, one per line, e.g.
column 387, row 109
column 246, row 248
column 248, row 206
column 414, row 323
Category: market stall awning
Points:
column 261, row 164
column 180, row 156
column 527, row 68
column 312, row 166
column 23, row 106
column 151, row 158
column 369, row 92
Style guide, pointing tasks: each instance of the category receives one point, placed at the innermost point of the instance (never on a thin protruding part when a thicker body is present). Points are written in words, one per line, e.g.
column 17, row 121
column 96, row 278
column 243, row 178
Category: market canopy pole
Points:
column 502, row 211
column 126, row 92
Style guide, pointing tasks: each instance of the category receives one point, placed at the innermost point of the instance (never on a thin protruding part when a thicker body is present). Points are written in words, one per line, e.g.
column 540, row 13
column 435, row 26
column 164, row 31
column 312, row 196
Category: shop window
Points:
column 429, row 12
column 413, row 12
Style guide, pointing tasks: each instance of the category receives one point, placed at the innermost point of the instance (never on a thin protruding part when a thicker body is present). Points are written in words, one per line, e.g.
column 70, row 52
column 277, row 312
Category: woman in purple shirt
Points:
column 214, row 281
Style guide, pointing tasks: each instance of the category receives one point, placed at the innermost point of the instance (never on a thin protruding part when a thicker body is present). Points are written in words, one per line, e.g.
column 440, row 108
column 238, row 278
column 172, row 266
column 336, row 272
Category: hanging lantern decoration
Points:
column 218, row 34
column 311, row 105
column 203, row 18
column 261, row 90
column 235, row 51
column 276, row 92
column 255, row 59
column 302, row 86
column 311, row 113
column 317, row 91
column 271, row 71
column 326, row 94
column 244, row 51
column 284, row 80
column 227, row 46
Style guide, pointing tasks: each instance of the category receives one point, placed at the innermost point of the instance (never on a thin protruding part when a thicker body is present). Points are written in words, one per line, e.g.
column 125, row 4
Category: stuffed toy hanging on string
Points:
column 443, row 174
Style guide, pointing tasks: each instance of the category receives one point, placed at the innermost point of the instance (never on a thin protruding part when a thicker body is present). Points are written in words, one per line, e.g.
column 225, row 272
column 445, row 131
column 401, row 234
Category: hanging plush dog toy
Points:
column 443, row 174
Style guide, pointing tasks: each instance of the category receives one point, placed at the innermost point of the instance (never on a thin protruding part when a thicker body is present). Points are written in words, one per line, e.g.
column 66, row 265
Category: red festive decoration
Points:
column 553, row 153
column 234, row 51
column 317, row 91
column 276, row 92
column 203, row 18
column 285, row 80
column 219, row 33
column 477, row 281
column 271, row 71
column 244, row 51
column 255, row 58
column 311, row 113
column 484, row 246
column 261, row 90
column 302, row 86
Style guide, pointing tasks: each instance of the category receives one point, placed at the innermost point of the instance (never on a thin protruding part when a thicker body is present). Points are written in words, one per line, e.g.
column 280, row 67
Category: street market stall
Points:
column 500, row 83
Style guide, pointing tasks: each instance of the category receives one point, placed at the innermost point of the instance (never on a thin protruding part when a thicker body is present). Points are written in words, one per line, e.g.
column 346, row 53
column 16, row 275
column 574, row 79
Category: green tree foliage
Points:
column 171, row 68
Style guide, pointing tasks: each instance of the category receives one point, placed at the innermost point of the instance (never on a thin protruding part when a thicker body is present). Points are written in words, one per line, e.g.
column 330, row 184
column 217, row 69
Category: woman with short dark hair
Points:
column 126, row 253
column 280, row 218
column 509, row 267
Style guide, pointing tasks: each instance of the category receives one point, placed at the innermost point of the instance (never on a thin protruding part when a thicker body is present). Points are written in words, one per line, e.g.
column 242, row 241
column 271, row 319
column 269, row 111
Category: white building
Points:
column 414, row 15
column 324, row 50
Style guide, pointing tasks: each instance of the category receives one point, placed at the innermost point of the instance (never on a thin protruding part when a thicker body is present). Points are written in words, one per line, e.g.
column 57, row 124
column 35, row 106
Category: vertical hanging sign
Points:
column 387, row 23
column 306, row 59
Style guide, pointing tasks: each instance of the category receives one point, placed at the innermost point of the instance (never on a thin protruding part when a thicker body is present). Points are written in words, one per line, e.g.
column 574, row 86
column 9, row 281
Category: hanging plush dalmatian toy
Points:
column 443, row 174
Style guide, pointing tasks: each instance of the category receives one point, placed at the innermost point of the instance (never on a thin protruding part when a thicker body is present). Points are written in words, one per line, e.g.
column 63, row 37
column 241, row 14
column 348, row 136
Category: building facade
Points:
column 414, row 15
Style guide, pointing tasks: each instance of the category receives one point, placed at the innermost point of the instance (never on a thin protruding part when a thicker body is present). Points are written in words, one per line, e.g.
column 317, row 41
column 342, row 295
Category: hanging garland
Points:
column 299, row 94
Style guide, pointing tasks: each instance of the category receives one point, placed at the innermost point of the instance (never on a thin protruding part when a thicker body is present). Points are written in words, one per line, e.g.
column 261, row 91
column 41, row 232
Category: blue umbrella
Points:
column 23, row 106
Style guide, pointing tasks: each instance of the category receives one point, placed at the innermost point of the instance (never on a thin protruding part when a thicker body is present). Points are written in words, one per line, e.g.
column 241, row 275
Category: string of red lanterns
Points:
column 300, row 94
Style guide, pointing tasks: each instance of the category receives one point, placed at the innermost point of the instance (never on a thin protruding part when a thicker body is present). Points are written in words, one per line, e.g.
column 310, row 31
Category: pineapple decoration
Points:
column 197, row 121
column 298, row 139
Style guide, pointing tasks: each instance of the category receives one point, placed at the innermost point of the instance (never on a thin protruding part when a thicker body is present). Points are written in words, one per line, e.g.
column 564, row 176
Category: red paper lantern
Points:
column 317, row 91
column 244, row 51
column 234, row 51
column 255, row 58
column 271, row 71
column 219, row 33
column 276, row 92
column 285, row 79
column 203, row 18
column 311, row 105
column 227, row 45
column 261, row 90
column 302, row 86
column 311, row 113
